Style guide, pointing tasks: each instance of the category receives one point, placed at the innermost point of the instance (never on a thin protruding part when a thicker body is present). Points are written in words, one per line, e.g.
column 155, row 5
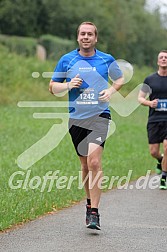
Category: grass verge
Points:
column 125, row 150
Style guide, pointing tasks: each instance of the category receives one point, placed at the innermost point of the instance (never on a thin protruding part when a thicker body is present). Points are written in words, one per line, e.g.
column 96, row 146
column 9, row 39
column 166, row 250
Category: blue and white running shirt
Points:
column 94, row 71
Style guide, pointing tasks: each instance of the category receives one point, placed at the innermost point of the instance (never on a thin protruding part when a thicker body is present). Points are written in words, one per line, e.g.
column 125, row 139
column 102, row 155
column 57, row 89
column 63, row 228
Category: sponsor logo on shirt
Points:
column 87, row 69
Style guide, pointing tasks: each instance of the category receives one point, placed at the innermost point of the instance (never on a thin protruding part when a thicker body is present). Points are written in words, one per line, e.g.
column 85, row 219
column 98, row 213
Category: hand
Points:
column 105, row 95
column 153, row 103
column 75, row 82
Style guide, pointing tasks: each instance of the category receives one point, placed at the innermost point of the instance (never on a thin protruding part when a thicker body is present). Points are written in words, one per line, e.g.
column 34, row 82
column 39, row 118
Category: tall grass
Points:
column 16, row 81
column 125, row 150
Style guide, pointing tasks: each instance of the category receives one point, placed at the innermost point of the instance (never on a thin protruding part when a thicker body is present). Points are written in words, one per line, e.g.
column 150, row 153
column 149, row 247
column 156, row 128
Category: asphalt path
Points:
column 131, row 220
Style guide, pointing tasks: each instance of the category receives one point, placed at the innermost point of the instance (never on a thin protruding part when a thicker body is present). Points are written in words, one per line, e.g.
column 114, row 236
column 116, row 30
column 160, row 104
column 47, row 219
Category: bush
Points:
column 56, row 46
column 20, row 45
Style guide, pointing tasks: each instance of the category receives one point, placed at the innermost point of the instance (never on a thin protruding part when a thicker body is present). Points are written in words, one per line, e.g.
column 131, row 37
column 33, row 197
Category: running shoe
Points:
column 163, row 185
column 94, row 221
column 158, row 169
column 88, row 212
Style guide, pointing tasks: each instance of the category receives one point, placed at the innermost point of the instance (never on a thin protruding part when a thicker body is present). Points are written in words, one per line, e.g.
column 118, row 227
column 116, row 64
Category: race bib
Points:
column 162, row 105
column 87, row 96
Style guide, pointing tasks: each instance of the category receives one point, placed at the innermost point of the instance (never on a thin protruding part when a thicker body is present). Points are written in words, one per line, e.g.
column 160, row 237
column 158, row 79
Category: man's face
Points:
column 87, row 37
column 162, row 59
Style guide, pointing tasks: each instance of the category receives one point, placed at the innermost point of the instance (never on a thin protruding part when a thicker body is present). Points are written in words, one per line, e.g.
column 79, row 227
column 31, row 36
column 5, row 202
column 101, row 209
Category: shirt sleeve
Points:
column 59, row 74
column 145, row 87
column 114, row 71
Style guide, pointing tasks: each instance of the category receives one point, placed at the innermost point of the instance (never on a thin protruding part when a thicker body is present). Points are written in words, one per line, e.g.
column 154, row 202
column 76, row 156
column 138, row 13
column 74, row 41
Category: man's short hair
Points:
column 165, row 51
column 88, row 23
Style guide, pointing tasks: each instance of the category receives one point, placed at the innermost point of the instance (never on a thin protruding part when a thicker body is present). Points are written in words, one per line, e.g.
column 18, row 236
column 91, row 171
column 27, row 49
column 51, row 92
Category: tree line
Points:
column 126, row 28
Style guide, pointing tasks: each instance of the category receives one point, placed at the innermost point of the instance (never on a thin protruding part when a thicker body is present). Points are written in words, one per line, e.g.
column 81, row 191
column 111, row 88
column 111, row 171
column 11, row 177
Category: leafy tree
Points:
column 126, row 28
column 22, row 18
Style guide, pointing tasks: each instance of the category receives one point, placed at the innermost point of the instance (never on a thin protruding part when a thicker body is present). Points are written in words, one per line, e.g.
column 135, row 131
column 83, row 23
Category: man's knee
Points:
column 84, row 167
column 154, row 152
column 94, row 164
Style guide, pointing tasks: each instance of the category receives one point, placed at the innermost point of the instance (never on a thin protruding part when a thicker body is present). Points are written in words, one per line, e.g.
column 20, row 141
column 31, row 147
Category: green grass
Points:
column 125, row 150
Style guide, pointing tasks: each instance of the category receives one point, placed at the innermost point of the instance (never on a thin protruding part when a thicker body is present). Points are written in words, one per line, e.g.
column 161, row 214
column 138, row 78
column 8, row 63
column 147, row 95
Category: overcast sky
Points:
column 162, row 4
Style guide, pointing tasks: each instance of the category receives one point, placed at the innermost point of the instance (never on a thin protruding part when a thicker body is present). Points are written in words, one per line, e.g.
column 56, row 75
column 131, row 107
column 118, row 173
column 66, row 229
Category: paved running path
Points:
column 131, row 220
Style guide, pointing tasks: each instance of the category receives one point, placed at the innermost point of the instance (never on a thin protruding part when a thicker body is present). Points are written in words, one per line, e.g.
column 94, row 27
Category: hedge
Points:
column 20, row 45
column 56, row 46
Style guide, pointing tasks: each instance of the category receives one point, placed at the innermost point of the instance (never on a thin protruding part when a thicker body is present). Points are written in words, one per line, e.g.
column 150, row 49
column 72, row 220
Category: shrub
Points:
column 20, row 45
column 56, row 46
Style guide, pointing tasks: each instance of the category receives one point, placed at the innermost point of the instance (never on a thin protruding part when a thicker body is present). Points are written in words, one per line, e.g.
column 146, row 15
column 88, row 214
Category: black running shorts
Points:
column 157, row 132
column 90, row 130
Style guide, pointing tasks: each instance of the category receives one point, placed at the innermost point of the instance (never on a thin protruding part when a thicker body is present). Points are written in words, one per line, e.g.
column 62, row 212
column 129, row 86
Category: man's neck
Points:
column 162, row 71
column 86, row 53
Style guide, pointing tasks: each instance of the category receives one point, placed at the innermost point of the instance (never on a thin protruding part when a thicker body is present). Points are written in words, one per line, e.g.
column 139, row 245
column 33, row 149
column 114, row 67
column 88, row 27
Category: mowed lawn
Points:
column 27, row 193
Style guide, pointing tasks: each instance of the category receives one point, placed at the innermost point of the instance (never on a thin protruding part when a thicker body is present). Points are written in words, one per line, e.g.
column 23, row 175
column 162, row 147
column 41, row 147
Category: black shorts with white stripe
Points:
column 90, row 130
